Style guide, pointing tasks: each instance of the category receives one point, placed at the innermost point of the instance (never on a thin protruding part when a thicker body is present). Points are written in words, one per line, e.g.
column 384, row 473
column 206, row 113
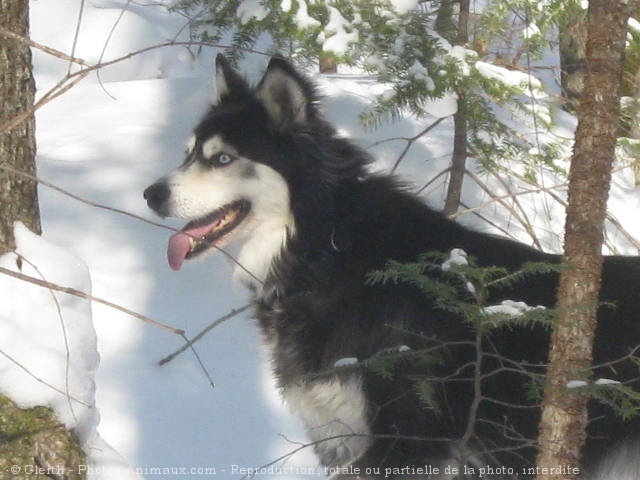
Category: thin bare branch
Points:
column 60, row 88
column 44, row 48
column 199, row 360
column 39, row 380
column 86, row 296
column 214, row 324
column 4, row 165
column 522, row 220
column 123, row 10
column 63, row 327
column 410, row 141
column 76, row 34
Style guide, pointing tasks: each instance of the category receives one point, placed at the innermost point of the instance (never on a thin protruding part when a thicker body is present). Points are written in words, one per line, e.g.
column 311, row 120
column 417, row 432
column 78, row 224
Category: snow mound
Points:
column 48, row 346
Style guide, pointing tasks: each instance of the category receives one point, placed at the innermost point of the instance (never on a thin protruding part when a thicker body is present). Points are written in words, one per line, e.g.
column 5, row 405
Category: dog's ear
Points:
column 228, row 82
column 286, row 95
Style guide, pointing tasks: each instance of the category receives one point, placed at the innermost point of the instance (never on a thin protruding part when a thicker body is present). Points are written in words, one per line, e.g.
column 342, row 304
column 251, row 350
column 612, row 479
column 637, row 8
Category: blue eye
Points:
column 224, row 158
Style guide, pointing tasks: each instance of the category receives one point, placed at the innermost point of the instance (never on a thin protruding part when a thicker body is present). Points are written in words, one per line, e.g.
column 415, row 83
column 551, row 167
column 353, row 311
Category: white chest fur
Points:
column 334, row 412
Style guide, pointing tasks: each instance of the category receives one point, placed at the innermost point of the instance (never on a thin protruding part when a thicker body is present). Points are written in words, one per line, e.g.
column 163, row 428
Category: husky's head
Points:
column 233, row 182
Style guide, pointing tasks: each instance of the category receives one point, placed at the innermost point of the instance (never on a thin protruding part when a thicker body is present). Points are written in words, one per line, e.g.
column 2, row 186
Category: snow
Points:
column 511, row 308
column 49, row 346
column 302, row 17
column 600, row 382
column 576, row 384
column 531, row 31
column 69, row 341
column 442, row 107
column 107, row 139
column 404, row 6
column 345, row 362
column 338, row 34
column 251, row 9
column 511, row 78
column 606, row 381
column 457, row 256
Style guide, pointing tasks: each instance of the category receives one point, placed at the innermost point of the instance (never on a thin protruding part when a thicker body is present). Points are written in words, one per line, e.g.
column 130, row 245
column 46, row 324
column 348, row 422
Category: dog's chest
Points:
column 334, row 412
column 333, row 407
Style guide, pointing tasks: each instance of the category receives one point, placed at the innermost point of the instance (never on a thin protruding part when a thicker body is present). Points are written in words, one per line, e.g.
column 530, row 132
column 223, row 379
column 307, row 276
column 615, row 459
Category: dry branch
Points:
column 86, row 296
column 210, row 327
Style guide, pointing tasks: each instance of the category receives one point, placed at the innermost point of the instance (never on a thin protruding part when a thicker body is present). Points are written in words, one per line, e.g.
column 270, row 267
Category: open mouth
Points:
column 200, row 235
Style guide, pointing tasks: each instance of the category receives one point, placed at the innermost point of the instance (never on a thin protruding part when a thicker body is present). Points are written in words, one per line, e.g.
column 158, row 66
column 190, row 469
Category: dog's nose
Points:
column 156, row 195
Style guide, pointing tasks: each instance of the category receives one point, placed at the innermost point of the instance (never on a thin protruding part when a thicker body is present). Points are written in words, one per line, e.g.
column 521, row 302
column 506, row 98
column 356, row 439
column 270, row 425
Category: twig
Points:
column 303, row 446
column 489, row 222
column 44, row 48
column 199, row 360
column 477, row 394
column 5, row 166
column 76, row 35
column 63, row 327
column 38, row 379
column 72, row 79
column 498, row 198
column 78, row 293
column 123, row 10
column 409, row 140
column 528, row 226
column 432, row 180
column 561, row 201
column 60, row 88
column 189, row 343
column 523, row 221
column 86, row 296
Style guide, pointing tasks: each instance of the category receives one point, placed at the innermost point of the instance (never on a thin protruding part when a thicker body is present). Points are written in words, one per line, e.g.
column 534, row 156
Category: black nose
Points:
column 157, row 195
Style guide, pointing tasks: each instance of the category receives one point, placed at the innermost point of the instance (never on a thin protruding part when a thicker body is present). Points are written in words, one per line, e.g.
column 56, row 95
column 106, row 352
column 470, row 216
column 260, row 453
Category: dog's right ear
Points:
column 286, row 95
column 228, row 82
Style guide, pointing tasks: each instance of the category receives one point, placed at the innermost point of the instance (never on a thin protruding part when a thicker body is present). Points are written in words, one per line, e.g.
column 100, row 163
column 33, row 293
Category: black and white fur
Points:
column 318, row 222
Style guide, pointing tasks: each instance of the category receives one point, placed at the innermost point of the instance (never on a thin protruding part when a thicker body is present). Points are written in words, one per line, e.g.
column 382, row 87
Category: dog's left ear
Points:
column 286, row 95
column 228, row 81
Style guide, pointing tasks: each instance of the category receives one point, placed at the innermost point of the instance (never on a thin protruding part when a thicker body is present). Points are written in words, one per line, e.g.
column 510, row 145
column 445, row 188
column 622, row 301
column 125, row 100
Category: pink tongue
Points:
column 177, row 250
column 180, row 244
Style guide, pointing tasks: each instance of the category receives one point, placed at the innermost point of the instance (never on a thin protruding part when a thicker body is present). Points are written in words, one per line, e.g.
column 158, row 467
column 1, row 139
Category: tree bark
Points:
column 573, row 42
column 564, row 417
column 458, row 161
column 460, row 140
column 18, row 197
column 327, row 63
column 33, row 443
column 630, row 123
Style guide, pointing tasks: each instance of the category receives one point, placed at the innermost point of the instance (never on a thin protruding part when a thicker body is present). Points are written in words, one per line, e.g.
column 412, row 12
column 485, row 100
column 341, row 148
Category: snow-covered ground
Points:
column 107, row 139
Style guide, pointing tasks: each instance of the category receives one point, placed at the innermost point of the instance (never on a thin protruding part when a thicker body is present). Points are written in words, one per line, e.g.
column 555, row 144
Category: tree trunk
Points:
column 327, row 63
column 460, row 141
column 33, row 444
column 564, row 417
column 458, row 161
column 573, row 42
column 630, row 123
column 18, row 197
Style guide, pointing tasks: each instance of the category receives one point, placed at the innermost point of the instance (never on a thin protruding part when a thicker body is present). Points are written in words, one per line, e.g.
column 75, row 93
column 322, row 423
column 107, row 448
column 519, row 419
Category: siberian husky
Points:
column 388, row 381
